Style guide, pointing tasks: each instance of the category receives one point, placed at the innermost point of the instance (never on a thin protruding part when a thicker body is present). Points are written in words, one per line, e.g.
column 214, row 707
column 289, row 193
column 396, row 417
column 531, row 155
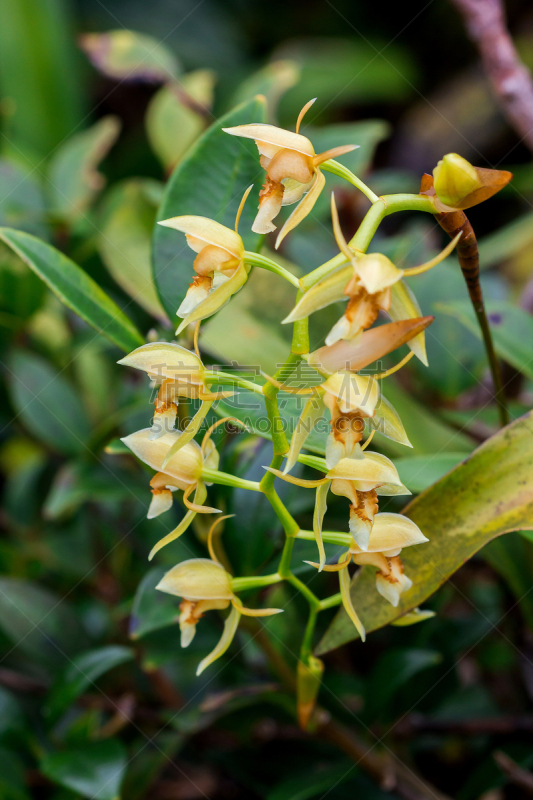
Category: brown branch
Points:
column 515, row 773
column 510, row 78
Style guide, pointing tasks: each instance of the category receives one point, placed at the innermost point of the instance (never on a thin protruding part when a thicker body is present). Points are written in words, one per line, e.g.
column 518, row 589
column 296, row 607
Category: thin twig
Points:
column 514, row 772
column 510, row 78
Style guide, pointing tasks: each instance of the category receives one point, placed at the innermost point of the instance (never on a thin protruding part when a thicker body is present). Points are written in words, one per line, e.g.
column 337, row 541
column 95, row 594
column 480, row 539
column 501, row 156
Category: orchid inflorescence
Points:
column 370, row 283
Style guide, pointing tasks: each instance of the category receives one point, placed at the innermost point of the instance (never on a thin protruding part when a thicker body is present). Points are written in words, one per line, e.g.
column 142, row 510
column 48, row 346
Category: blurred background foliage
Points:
column 96, row 697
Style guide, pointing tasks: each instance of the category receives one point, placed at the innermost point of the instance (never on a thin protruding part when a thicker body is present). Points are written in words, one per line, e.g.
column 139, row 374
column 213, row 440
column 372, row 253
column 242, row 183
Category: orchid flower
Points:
column 390, row 534
column 179, row 373
column 292, row 172
column 182, row 471
column 203, row 584
column 372, row 283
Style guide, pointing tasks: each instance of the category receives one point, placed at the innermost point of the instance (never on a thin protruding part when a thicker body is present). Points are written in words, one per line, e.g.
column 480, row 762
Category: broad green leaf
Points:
column 12, row 776
column 81, row 674
column 73, row 178
column 22, row 201
column 173, row 122
column 39, row 77
column 209, row 182
column 38, row 622
column 47, row 404
column 506, row 242
column 395, row 667
column 151, row 609
column 511, row 326
column 130, row 55
column 489, row 494
column 311, row 784
column 419, row 472
column 11, row 715
column 127, row 220
column 74, row 288
column 93, row 769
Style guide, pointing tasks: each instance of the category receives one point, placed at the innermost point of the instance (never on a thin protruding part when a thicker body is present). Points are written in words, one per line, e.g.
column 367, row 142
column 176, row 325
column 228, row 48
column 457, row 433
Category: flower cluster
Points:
column 371, row 284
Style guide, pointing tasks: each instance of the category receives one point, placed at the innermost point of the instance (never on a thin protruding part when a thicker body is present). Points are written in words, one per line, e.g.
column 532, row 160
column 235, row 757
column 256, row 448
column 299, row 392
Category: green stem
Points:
column 270, row 392
column 256, row 582
column 225, row 377
column 225, row 479
column 331, row 537
column 345, row 173
column 257, row 260
column 311, row 598
column 384, row 206
column 300, row 333
column 331, row 602
column 306, row 649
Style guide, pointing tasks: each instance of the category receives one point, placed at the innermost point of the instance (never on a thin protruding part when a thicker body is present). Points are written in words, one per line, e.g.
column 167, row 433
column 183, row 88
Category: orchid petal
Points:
column 166, row 360
column 386, row 421
column 270, row 134
column 303, row 208
column 296, row 481
column 189, row 432
column 376, row 272
column 185, row 468
column 311, row 412
column 367, row 473
column 391, row 531
column 334, row 153
column 414, row 616
column 318, row 519
column 372, row 345
column 199, row 497
column 230, row 627
column 326, row 291
column 404, row 305
column 217, row 298
column 197, row 508
column 204, row 231
column 344, row 583
column 328, row 567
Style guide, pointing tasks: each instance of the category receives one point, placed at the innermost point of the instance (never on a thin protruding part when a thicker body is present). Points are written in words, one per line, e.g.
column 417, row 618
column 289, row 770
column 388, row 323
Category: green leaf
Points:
column 73, row 178
column 22, row 202
column 12, row 778
column 512, row 557
column 124, row 241
column 81, row 673
column 151, row 609
column 129, row 55
column 419, row 472
column 394, row 668
column 38, row 622
column 93, row 769
column 511, row 326
column 47, row 404
column 311, row 784
column 506, row 242
column 489, row 494
column 39, row 77
column 74, row 288
column 209, row 182
column 173, row 122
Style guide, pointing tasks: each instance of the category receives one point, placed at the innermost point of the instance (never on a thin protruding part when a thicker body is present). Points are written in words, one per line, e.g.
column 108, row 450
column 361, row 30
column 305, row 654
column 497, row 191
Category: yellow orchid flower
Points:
column 390, row 534
column 459, row 185
column 179, row 373
column 292, row 172
column 372, row 283
column 203, row 584
column 182, row 471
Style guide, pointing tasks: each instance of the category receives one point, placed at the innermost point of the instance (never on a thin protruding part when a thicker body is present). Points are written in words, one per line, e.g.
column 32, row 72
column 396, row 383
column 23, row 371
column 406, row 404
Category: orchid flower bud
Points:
column 292, row 172
column 308, row 679
column 219, row 265
column 458, row 184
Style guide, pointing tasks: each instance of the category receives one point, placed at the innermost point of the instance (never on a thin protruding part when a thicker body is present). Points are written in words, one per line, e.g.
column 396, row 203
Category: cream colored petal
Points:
column 367, row 473
column 353, row 392
column 335, row 152
column 376, row 272
column 197, row 292
column 329, row 290
column 163, row 421
column 311, row 413
column 304, row 207
column 188, row 432
column 166, row 360
column 207, row 231
column 391, row 531
column 293, row 190
column 404, row 305
column 386, row 421
column 199, row 497
column 230, row 628
column 259, row 612
column 344, row 584
column 296, row 481
column 318, row 519
column 161, row 502
column 392, row 490
column 217, row 298
column 373, row 344
column 341, row 330
column 197, row 579
column 269, row 134
column 391, row 588
column 186, row 466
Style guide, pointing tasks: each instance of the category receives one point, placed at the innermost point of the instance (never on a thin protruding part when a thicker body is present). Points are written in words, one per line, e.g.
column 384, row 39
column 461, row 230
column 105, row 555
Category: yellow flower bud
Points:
column 454, row 178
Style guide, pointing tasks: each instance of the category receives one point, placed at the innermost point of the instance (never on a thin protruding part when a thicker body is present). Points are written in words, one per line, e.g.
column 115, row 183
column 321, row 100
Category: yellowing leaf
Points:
column 489, row 494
